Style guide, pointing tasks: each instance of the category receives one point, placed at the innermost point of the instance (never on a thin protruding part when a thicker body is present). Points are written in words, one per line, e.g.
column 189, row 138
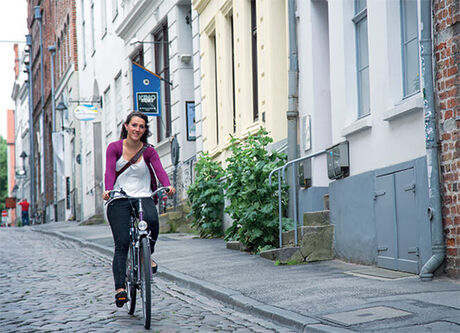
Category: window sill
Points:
column 357, row 126
column 406, row 106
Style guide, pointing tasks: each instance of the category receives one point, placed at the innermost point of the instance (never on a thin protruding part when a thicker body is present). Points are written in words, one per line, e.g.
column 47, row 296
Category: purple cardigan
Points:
column 150, row 155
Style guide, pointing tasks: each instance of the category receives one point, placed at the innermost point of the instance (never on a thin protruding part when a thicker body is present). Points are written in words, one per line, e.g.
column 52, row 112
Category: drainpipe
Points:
column 31, row 128
column 431, row 139
column 52, row 50
column 292, row 112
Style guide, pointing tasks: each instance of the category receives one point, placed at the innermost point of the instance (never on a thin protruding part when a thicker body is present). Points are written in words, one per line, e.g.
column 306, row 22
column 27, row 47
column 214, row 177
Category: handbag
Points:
column 131, row 161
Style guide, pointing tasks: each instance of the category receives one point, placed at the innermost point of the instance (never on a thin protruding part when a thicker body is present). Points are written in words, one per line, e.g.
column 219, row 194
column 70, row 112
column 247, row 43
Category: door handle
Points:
column 378, row 194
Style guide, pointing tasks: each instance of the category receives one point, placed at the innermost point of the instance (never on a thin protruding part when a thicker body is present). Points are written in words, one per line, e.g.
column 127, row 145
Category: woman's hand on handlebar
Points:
column 106, row 195
column 171, row 191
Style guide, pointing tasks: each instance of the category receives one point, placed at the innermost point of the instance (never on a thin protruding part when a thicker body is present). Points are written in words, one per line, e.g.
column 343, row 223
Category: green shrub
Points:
column 206, row 198
column 253, row 202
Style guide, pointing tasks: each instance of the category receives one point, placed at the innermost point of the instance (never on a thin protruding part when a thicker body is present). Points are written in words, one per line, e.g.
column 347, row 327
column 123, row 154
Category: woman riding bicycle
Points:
column 137, row 179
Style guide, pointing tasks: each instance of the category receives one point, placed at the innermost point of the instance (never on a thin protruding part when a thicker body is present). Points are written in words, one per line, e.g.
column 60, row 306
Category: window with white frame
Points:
column 362, row 57
column 409, row 47
column 118, row 105
column 114, row 9
column 93, row 41
column 83, row 31
column 162, row 69
column 108, row 117
column 103, row 18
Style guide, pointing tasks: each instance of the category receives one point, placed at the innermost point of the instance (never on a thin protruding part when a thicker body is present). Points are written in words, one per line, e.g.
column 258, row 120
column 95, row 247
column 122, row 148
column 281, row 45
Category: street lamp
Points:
column 62, row 107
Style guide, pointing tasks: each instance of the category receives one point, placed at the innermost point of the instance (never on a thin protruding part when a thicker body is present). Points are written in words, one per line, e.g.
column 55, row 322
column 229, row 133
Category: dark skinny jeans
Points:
column 118, row 212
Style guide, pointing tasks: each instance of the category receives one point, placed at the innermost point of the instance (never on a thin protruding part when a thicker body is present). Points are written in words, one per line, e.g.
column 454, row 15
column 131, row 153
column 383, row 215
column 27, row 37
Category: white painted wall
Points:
column 394, row 131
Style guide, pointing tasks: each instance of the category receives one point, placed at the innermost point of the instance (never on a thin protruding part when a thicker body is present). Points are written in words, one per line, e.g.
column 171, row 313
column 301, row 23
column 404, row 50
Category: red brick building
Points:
column 446, row 48
column 42, row 109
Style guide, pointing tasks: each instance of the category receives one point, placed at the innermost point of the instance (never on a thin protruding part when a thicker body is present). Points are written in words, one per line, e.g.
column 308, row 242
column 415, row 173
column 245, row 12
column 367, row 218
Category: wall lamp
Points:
column 62, row 107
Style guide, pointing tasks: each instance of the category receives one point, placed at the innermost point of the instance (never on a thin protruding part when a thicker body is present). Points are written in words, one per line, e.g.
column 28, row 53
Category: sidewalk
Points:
column 329, row 296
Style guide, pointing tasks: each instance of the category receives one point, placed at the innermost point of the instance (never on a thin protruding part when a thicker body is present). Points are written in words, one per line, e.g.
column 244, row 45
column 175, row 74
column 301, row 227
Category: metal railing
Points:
column 292, row 188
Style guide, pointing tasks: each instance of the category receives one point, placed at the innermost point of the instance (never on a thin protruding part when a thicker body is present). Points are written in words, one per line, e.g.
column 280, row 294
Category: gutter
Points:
column 431, row 141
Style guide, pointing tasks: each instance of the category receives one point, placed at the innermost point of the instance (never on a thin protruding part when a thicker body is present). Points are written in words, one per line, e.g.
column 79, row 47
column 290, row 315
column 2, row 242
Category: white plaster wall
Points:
column 376, row 140
column 314, row 83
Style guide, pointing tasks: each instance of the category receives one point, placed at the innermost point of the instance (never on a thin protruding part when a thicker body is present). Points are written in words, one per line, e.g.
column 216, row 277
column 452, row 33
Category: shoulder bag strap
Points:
column 132, row 161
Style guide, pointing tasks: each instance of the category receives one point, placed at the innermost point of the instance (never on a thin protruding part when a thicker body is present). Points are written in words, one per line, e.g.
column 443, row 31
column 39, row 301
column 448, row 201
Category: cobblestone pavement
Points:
column 48, row 285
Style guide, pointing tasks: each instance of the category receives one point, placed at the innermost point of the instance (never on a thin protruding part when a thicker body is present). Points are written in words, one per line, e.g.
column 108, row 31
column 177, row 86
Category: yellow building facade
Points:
column 244, row 66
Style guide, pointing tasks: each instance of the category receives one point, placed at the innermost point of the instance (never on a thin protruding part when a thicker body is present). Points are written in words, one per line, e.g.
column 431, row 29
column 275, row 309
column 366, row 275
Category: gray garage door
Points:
column 397, row 229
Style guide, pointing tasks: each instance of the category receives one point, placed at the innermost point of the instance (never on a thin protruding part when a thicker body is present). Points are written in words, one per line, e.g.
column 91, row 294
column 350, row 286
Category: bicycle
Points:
column 138, row 264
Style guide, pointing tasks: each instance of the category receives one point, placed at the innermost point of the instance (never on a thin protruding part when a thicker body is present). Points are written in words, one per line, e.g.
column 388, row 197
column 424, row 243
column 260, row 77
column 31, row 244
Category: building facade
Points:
column 243, row 71
column 20, row 96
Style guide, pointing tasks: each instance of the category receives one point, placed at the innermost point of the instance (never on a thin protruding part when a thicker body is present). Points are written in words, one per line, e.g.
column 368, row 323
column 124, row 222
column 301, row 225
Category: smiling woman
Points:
column 126, row 171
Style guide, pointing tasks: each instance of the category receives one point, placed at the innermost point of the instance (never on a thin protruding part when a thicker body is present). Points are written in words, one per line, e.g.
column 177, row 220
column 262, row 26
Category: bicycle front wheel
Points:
column 146, row 292
column 130, row 279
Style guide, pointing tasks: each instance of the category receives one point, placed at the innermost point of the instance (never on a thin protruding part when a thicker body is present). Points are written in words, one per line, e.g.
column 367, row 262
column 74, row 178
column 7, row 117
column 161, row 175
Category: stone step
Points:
column 316, row 218
column 282, row 254
column 316, row 243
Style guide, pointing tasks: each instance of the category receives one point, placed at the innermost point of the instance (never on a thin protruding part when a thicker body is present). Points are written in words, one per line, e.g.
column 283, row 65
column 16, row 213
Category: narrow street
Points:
column 52, row 285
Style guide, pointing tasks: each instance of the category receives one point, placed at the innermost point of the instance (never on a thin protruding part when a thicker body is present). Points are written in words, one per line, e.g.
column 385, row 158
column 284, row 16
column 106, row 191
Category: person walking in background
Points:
column 132, row 165
column 24, row 211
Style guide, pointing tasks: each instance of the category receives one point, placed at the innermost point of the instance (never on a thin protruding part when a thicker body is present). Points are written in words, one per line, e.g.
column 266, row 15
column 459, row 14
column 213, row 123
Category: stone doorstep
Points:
column 174, row 221
column 235, row 245
column 315, row 245
column 316, row 218
column 281, row 254
column 289, row 237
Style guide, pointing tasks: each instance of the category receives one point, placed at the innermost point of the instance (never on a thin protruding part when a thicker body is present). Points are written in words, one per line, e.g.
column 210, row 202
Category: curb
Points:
column 228, row 296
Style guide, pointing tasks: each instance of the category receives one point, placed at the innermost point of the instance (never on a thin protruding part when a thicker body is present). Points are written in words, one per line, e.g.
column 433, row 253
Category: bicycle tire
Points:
column 130, row 287
column 146, row 292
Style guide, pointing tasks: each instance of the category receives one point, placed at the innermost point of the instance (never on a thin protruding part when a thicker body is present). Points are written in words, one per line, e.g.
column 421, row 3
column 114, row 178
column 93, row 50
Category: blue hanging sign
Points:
column 146, row 91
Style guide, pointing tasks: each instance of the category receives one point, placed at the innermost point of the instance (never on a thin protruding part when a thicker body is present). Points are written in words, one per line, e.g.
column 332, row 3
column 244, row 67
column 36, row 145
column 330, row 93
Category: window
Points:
column 114, row 9
column 233, row 72
column 83, row 29
column 103, row 18
column 138, row 57
column 255, row 95
column 409, row 47
column 162, row 69
column 362, row 57
column 118, row 105
column 108, row 117
column 213, row 58
column 93, row 48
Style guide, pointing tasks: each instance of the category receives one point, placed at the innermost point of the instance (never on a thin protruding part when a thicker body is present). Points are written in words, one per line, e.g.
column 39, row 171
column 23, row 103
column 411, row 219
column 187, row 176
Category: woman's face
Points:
column 135, row 128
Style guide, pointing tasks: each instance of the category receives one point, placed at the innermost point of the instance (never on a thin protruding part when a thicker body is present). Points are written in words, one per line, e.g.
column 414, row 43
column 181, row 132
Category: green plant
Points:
column 253, row 202
column 206, row 198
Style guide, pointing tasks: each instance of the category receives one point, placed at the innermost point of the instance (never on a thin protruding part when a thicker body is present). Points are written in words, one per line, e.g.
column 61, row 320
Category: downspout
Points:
column 292, row 112
column 431, row 140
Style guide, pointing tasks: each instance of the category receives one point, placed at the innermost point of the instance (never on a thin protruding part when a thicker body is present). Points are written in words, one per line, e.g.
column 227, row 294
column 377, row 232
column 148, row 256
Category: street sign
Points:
column 4, row 213
column 146, row 91
column 85, row 112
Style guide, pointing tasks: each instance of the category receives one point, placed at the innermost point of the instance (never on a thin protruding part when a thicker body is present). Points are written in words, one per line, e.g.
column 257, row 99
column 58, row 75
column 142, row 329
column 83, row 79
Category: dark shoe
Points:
column 121, row 298
column 154, row 268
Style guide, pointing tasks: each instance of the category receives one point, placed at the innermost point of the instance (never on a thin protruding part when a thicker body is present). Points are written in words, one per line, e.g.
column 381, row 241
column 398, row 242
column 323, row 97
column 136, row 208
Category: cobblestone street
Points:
column 49, row 285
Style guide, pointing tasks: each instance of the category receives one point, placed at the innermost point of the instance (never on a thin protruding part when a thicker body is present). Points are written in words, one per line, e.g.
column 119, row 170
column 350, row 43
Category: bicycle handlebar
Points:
column 124, row 195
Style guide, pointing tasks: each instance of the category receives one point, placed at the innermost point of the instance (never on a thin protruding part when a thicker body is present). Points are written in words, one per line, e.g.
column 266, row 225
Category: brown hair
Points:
column 124, row 132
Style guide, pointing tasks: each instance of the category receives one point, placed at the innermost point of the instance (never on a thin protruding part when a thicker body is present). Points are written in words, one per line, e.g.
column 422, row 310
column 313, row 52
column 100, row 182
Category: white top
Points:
column 135, row 180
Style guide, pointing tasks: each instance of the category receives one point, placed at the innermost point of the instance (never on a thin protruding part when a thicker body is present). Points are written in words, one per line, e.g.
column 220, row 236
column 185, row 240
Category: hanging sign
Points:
column 146, row 91
column 85, row 112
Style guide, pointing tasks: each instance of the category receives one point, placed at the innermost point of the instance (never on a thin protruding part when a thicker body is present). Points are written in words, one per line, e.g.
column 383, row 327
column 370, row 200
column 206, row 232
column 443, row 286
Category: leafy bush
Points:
column 206, row 197
column 253, row 202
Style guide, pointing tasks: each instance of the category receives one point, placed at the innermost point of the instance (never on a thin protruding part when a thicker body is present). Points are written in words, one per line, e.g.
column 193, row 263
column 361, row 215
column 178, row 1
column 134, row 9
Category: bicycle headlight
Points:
column 142, row 225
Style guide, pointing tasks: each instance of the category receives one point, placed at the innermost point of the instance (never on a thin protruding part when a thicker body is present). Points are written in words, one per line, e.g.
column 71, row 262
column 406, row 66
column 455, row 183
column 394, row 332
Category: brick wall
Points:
column 447, row 80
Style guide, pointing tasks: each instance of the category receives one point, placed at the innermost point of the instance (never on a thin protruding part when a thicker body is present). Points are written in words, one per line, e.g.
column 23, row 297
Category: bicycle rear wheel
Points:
column 130, row 286
column 146, row 292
